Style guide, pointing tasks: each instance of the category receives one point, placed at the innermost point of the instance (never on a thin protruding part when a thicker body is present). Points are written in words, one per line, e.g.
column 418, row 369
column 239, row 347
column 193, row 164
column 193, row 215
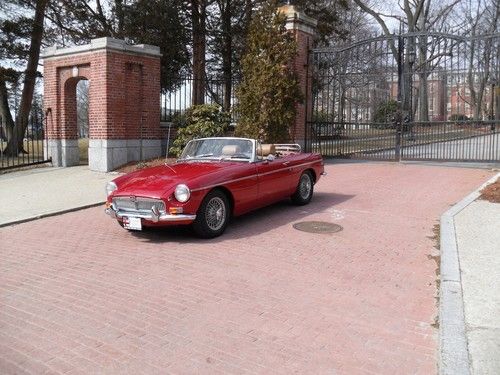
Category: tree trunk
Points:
column 477, row 91
column 497, row 102
column 120, row 17
column 423, row 80
column 423, row 109
column 15, row 144
column 478, row 108
column 198, row 19
column 470, row 76
column 6, row 121
column 342, row 106
column 406, row 86
column 415, row 104
column 227, row 55
column 248, row 14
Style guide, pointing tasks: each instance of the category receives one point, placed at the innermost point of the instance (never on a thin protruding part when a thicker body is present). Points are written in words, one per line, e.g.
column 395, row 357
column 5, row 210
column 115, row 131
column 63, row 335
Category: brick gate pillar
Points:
column 303, row 28
column 124, row 102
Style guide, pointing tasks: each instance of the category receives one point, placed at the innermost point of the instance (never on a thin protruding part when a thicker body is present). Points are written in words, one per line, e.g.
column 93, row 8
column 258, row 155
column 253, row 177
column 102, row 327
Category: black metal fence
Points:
column 415, row 96
column 174, row 102
column 29, row 150
column 455, row 141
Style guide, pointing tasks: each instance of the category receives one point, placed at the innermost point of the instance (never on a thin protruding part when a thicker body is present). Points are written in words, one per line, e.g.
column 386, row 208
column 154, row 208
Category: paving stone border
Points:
column 53, row 213
column 453, row 352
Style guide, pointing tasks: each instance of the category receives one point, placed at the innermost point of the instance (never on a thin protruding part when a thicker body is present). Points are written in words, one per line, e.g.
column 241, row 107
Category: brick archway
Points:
column 70, row 104
column 124, row 102
column 71, row 97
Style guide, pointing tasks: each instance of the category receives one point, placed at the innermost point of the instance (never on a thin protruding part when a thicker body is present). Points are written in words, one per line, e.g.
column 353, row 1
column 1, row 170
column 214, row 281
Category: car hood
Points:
column 160, row 181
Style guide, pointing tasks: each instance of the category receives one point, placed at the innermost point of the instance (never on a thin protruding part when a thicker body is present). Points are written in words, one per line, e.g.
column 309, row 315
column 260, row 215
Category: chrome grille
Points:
column 137, row 204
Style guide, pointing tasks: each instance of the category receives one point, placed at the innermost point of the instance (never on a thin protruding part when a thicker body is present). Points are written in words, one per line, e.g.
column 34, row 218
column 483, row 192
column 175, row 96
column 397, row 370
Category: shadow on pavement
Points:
column 251, row 224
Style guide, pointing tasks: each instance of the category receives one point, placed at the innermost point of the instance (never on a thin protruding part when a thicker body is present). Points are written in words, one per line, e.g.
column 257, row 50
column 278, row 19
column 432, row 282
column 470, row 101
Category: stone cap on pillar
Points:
column 105, row 43
column 297, row 20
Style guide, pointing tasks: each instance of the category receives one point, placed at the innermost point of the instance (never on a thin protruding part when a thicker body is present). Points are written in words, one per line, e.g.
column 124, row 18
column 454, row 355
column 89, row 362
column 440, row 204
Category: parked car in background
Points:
column 213, row 180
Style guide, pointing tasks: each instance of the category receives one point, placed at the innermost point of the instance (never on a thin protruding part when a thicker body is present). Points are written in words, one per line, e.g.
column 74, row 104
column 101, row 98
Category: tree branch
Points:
column 380, row 21
column 100, row 17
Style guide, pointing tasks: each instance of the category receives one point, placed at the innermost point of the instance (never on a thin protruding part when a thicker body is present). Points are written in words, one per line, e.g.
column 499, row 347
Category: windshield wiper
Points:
column 203, row 156
column 238, row 156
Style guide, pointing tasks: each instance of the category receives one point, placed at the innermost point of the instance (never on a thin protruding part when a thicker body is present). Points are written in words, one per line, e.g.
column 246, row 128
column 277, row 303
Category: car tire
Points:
column 213, row 215
column 305, row 188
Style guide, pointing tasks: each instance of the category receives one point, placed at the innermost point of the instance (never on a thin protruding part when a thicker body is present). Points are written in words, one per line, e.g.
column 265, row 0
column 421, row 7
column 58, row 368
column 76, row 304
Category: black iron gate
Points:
column 31, row 148
column 419, row 96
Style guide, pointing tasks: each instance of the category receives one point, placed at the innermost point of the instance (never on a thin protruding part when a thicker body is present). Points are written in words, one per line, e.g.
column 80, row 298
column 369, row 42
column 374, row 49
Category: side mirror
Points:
column 270, row 157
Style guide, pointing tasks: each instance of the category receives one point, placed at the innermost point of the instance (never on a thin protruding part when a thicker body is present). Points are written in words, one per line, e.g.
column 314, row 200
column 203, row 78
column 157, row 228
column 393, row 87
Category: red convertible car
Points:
column 214, row 179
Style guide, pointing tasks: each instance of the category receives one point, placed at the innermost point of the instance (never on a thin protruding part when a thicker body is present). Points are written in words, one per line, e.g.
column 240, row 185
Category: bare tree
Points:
column 415, row 16
column 482, row 18
column 15, row 143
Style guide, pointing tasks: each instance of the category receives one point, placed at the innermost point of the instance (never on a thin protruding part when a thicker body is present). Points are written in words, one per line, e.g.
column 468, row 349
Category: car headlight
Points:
column 182, row 193
column 110, row 187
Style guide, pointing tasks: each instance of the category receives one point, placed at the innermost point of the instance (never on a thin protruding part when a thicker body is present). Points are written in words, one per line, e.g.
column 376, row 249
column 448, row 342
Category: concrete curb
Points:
column 453, row 350
column 54, row 213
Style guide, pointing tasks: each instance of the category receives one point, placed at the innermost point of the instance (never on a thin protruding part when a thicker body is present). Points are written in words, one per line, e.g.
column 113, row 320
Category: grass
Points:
column 491, row 192
column 33, row 147
column 34, row 154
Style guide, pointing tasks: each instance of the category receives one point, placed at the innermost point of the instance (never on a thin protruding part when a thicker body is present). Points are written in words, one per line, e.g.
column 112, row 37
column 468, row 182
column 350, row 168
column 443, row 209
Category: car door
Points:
column 243, row 184
column 274, row 180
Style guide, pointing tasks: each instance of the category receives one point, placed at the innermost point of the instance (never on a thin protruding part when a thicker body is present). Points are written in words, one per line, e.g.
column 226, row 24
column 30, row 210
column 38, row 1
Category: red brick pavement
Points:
column 80, row 295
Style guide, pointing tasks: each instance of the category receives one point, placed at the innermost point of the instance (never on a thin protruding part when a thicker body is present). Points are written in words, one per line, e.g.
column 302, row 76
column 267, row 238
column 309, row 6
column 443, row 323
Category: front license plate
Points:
column 132, row 223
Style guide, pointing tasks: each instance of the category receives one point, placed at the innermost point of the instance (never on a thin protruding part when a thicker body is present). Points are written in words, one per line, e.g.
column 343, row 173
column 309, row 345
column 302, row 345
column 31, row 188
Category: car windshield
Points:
column 218, row 149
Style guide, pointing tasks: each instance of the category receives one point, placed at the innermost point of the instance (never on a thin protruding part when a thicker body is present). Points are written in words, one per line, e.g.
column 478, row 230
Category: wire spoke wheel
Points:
column 305, row 186
column 304, row 191
column 215, row 213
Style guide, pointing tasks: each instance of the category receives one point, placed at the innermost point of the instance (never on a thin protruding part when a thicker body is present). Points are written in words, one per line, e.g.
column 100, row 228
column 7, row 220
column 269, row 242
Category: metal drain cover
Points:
column 317, row 227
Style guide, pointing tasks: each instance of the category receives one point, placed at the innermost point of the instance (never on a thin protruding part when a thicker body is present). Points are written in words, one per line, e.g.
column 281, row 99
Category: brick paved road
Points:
column 80, row 295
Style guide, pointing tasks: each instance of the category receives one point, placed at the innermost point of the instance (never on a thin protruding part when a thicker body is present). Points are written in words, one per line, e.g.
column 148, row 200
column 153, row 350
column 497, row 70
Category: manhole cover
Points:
column 317, row 227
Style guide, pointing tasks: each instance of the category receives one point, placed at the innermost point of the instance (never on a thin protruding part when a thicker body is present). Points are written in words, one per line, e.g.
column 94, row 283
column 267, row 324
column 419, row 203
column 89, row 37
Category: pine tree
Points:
column 163, row 24
column 269, row 90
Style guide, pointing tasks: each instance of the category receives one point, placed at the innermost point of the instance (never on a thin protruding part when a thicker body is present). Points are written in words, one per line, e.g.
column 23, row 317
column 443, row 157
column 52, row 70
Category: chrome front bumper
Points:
column 150, row 216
